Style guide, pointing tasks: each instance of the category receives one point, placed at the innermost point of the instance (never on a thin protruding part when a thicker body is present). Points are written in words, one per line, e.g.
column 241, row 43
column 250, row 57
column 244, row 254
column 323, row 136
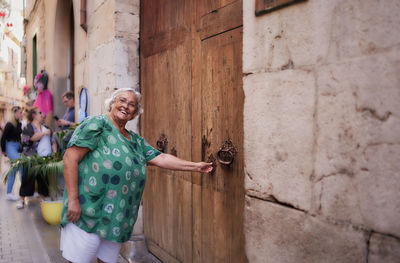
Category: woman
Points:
column 10, row 145
column 36, row 138
column 105, row 172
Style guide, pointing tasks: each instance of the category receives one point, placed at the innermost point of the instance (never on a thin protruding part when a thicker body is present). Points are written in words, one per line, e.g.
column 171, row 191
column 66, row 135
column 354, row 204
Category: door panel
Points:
column 221, row 196
column 191, row 79
column 167, row 198
column 220, row 20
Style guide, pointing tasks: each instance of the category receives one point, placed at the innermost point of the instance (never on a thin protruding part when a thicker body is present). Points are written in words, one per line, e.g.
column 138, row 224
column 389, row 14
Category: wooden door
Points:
column 191, row 78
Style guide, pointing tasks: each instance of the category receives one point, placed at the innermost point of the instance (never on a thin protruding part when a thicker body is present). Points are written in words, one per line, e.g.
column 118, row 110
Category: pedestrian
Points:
column 11, row 146
column 69, row 116
column 67, row 121
column 36, row 140
column 105, row 172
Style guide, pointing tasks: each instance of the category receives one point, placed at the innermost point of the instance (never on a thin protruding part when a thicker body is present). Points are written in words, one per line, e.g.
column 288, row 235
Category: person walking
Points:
column 105, row 173
column 36, row 138
column 10, row 146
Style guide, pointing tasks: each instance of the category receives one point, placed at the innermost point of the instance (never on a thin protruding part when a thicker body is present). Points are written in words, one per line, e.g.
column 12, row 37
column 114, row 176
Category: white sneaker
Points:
column 20, row 204
column 11, row 197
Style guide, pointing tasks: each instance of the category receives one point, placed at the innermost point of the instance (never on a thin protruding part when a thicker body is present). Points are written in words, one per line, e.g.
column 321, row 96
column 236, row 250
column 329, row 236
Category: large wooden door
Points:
column 191, row 79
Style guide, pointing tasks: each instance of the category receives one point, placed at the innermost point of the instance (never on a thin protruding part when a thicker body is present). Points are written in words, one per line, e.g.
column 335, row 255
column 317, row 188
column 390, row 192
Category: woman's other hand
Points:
column 74, row 210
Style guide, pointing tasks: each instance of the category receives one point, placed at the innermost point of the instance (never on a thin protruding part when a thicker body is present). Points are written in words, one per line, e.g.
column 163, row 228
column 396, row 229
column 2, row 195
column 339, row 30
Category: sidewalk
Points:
column 26, row 238
column 19, row 237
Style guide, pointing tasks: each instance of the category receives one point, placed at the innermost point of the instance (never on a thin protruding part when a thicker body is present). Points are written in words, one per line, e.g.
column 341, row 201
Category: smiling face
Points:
column 124, row 106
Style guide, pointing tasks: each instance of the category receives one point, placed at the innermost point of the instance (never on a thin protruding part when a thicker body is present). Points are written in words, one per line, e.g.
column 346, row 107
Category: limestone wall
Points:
column 322, row 132
column 111, row 60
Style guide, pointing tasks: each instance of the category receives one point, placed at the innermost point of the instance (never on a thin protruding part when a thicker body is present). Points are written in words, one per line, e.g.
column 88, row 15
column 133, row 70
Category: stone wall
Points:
column 322, row 132
column 111, row 57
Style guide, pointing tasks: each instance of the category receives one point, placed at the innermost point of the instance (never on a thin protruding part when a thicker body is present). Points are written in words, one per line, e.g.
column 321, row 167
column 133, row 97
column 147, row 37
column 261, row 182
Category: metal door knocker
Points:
column 162, row 143
column 227, row 153
column 211, row 159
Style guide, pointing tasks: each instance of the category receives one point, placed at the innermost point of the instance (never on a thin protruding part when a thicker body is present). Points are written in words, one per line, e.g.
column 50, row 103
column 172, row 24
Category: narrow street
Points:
column 24, row 236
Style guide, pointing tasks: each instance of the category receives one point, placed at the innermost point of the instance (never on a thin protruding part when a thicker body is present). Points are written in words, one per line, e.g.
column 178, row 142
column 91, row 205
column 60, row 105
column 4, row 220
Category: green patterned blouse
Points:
column 111, row 178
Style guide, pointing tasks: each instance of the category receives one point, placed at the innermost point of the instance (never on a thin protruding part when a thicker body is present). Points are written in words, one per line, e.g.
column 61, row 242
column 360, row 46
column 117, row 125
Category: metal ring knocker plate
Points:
column 227, row 153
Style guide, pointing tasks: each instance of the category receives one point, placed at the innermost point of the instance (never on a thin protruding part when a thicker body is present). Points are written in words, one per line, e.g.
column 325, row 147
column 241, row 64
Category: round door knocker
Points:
column 227, row 153
column 162, row 143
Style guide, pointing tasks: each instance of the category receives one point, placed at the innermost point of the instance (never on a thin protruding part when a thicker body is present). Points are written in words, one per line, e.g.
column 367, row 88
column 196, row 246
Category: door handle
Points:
column 227, row 153
column 204, row 144
column 162, row 143
column 211, row 159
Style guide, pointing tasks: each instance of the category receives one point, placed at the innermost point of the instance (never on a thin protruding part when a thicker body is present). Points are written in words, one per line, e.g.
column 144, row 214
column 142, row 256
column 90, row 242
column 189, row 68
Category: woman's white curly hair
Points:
column 111, row 100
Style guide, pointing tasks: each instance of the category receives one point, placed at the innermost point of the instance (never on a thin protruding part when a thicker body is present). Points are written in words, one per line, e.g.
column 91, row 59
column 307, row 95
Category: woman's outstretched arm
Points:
column 171, row 162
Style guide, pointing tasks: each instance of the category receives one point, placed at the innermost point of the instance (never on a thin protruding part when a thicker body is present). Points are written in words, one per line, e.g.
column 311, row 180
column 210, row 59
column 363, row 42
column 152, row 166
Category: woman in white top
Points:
column 36, row 140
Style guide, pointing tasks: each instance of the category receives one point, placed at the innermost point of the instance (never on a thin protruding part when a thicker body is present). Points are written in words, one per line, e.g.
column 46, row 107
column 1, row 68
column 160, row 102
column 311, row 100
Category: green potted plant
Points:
column 51, row 167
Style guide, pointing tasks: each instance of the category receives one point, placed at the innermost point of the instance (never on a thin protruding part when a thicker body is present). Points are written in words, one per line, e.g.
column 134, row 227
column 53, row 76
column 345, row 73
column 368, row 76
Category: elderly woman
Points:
column 105, row 172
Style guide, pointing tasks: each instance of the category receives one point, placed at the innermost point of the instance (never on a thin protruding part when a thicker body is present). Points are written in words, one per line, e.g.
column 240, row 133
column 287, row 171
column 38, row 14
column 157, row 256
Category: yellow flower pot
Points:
column 51, row 211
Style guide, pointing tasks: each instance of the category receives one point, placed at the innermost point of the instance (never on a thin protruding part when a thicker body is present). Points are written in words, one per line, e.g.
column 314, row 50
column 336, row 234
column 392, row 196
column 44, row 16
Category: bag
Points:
column 44, row 146
column 27, row 145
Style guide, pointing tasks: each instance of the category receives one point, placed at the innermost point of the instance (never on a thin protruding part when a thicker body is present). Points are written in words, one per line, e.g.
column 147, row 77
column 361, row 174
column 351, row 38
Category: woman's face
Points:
column 18, row 115
column 38, row 116
column 124, row 106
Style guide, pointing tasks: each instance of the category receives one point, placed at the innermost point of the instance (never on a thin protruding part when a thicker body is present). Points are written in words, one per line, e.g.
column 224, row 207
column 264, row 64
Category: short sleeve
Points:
column 87, row 133
column 149, row 152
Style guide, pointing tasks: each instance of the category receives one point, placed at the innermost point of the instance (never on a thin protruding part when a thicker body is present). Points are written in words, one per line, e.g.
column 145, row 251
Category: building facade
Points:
column 319, row 150
column 321, row 132
column 11, row 39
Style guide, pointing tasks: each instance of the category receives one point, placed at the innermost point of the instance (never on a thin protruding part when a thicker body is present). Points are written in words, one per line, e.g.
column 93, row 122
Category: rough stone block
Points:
column 278, row 140
column 278, row 234
column 93, row 5
column 101, row 25
column 277, row 40
column 360, row 28
column 127, row 63
column 369, row 198
column 383, row 249
column 127, row 25
column 80, row 76
column 102, row 69
column 358, row 138
column 354, row 112
column 317, row 32
column 130, row 6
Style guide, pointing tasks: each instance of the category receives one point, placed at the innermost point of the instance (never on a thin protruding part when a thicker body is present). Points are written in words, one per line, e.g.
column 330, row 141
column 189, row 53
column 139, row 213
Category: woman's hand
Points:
column 74, row 210
column 205, row 167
